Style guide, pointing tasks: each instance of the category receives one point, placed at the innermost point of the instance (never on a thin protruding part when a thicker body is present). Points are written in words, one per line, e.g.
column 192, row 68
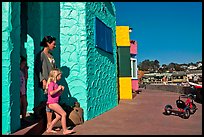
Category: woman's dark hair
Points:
column 46, row 39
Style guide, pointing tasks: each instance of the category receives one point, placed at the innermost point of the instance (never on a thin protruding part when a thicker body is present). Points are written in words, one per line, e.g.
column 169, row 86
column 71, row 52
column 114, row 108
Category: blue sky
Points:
column 166, row 31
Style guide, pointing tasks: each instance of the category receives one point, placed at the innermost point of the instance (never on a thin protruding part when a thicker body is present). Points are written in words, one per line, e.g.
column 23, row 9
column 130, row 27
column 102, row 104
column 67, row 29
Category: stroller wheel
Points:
column 168, row 109
column 186, row 114
column 193, row 109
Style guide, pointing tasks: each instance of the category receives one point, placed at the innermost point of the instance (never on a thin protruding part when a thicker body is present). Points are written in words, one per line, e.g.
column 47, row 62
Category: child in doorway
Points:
column 54, row 91
column 23, row 97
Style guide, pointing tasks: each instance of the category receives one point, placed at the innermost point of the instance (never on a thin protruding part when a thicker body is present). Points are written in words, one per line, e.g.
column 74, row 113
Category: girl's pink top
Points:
column 55, row 97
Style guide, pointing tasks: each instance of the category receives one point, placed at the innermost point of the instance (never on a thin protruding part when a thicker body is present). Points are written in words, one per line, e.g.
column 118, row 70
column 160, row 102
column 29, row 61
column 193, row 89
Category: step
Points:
column 33, row 127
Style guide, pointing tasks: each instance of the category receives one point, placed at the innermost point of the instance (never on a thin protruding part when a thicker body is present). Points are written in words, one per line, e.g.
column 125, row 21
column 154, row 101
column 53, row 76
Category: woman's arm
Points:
column 44, row 68
column 43, row 71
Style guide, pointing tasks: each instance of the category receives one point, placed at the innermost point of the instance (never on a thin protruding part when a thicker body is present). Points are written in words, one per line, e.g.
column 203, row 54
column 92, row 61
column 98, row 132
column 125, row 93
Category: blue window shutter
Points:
column 103, row 36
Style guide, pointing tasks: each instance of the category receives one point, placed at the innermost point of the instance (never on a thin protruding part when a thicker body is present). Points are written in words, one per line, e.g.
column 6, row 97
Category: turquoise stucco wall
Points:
column 10, row 66
column 90, row 68
column 6, row 28
column 74, row 53
column 101, row 66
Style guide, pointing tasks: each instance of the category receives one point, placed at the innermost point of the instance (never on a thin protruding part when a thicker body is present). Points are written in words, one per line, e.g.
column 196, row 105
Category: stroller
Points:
column 197, row 90
column 184, row 109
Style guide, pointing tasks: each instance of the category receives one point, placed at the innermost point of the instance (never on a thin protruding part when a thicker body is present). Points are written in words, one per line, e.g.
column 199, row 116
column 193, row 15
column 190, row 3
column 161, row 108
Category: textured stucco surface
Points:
column 6, row 67
column 74, row 52
column 92, row 78
column 101, row 66
column 10, row 67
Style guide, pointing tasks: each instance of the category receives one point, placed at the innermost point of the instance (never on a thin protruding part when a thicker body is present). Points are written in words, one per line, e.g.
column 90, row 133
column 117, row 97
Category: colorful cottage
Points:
column 134, row 69
column 86, row 53
column 124, row 69
column 127, row 62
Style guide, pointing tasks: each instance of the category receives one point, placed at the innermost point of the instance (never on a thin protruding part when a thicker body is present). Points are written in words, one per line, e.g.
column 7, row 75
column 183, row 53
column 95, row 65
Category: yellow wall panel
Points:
column 122, row 36
column 125, row 88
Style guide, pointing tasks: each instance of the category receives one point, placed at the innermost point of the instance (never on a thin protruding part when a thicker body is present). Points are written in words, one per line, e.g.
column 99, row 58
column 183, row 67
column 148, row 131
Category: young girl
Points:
column 54, row 91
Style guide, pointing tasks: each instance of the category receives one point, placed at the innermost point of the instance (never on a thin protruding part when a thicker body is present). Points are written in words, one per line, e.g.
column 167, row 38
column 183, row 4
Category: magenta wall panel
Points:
column 133, row 47
column 134, row 84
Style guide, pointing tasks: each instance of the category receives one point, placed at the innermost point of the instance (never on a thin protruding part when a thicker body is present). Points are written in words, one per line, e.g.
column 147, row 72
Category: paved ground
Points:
column 142, row 115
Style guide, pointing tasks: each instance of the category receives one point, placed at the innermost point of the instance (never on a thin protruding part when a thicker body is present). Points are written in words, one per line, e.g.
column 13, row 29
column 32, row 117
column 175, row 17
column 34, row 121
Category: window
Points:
column 103, row 36
column 134, row 68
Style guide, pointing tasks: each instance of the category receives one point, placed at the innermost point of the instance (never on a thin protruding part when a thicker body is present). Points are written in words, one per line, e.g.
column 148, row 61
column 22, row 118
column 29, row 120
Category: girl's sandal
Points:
column 52, row 131
column 57, row 129
column 68, row 132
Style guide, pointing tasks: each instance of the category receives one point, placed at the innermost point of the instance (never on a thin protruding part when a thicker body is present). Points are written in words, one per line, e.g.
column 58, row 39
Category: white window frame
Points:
column 134, row 73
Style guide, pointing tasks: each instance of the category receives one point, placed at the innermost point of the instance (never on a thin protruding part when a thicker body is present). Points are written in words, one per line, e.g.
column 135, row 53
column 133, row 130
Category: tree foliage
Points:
column 148, row 65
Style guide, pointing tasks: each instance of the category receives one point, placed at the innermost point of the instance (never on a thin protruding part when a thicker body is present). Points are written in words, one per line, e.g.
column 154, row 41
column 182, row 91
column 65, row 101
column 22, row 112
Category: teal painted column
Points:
column 10, row 67
column 29, row 46
column 6, row 67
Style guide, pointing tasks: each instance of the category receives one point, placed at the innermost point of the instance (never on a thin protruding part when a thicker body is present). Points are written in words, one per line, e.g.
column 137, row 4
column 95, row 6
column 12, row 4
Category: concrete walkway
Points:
column 142, row 115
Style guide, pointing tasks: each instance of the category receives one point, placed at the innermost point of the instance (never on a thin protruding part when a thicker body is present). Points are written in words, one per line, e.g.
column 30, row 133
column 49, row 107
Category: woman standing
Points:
column 47, row 63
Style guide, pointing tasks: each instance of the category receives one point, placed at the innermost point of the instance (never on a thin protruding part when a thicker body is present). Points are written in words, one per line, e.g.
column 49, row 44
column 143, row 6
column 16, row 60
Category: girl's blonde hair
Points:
column 52, row 77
